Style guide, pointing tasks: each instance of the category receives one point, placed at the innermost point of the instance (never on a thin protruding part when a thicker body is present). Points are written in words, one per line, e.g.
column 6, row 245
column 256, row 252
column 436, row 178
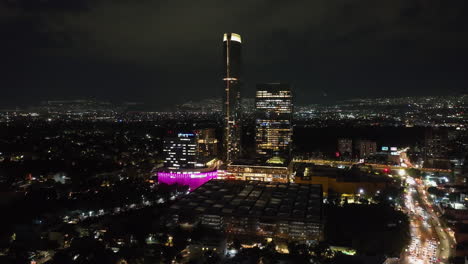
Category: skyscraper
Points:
column 232, row 107
column 273, row 128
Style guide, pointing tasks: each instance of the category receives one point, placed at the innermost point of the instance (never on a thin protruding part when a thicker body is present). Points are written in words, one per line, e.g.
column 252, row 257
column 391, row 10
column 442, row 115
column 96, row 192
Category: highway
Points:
column 430, row 242
column 444, row 234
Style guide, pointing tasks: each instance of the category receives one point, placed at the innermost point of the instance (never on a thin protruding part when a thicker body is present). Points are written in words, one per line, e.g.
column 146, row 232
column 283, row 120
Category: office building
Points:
column 180, row 151
column 183, row 165
column 273, row 125
column 232, row 106
column 345, row 147
column 437, row 148
column 436, row 143
column 365, row 148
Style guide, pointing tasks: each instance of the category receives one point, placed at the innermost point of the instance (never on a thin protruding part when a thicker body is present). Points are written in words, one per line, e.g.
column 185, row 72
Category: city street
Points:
column 443, row 233
column 430, row 240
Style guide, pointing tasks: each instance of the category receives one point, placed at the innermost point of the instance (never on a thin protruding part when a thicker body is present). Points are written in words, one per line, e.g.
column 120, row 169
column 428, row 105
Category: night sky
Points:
column 167, row 52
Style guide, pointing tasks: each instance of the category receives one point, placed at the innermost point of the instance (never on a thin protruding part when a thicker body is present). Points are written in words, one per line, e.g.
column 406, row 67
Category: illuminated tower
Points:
column 231, row 107
column 273, row 126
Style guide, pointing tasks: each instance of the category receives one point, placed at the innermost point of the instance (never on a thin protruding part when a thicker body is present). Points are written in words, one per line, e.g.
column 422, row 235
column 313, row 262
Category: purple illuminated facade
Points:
column 193, row 180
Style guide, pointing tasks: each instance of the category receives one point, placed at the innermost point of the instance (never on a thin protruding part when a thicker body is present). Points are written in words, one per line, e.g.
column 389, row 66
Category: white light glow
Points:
column 236, row 37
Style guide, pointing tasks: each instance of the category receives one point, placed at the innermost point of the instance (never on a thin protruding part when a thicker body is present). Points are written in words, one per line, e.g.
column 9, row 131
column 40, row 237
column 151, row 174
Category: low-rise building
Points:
column 214, row 242
column 273, row 170
column 254, row 208
column 365, row 148
column 342, row 181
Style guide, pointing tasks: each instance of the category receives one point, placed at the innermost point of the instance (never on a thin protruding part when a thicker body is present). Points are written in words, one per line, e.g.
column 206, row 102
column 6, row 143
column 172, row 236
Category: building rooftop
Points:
column 341, row 175
column 278, row 201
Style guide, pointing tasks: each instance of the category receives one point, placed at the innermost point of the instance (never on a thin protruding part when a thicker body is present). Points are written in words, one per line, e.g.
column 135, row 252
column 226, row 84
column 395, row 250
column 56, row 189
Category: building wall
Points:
column 259, row 173
column 332, row 184
column 255, row 209
column 180, row 151
column 283, row 229
column 436, row 143
column 273, row 126
column 345, row 146
column 366, row 148
column 207, row 142
column 459, row 215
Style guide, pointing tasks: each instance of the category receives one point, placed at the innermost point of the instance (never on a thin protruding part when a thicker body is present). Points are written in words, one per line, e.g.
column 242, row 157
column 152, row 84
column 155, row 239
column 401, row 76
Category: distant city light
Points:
column 186, row 135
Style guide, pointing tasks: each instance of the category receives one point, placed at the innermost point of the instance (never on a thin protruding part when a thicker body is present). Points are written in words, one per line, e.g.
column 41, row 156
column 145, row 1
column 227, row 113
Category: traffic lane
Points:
column 445, row 245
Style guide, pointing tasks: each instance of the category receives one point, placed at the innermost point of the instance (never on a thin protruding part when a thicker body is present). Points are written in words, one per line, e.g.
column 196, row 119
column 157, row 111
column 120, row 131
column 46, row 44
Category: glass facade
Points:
column 273, row 128
column 232, row 107
column 259, row 173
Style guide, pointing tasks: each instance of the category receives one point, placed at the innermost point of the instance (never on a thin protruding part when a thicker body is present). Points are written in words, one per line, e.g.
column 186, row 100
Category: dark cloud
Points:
column 169, row 51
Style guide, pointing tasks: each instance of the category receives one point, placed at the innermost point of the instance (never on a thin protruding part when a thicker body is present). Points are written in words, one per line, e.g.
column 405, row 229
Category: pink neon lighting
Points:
column 193, row 180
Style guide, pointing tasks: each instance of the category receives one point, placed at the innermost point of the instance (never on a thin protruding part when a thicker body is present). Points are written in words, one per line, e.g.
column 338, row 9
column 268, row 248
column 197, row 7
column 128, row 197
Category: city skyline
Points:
column 234, row 132
column 322, row 48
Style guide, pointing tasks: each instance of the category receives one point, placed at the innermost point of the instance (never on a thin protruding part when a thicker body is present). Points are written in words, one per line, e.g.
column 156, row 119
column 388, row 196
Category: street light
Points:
column 402, row 172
